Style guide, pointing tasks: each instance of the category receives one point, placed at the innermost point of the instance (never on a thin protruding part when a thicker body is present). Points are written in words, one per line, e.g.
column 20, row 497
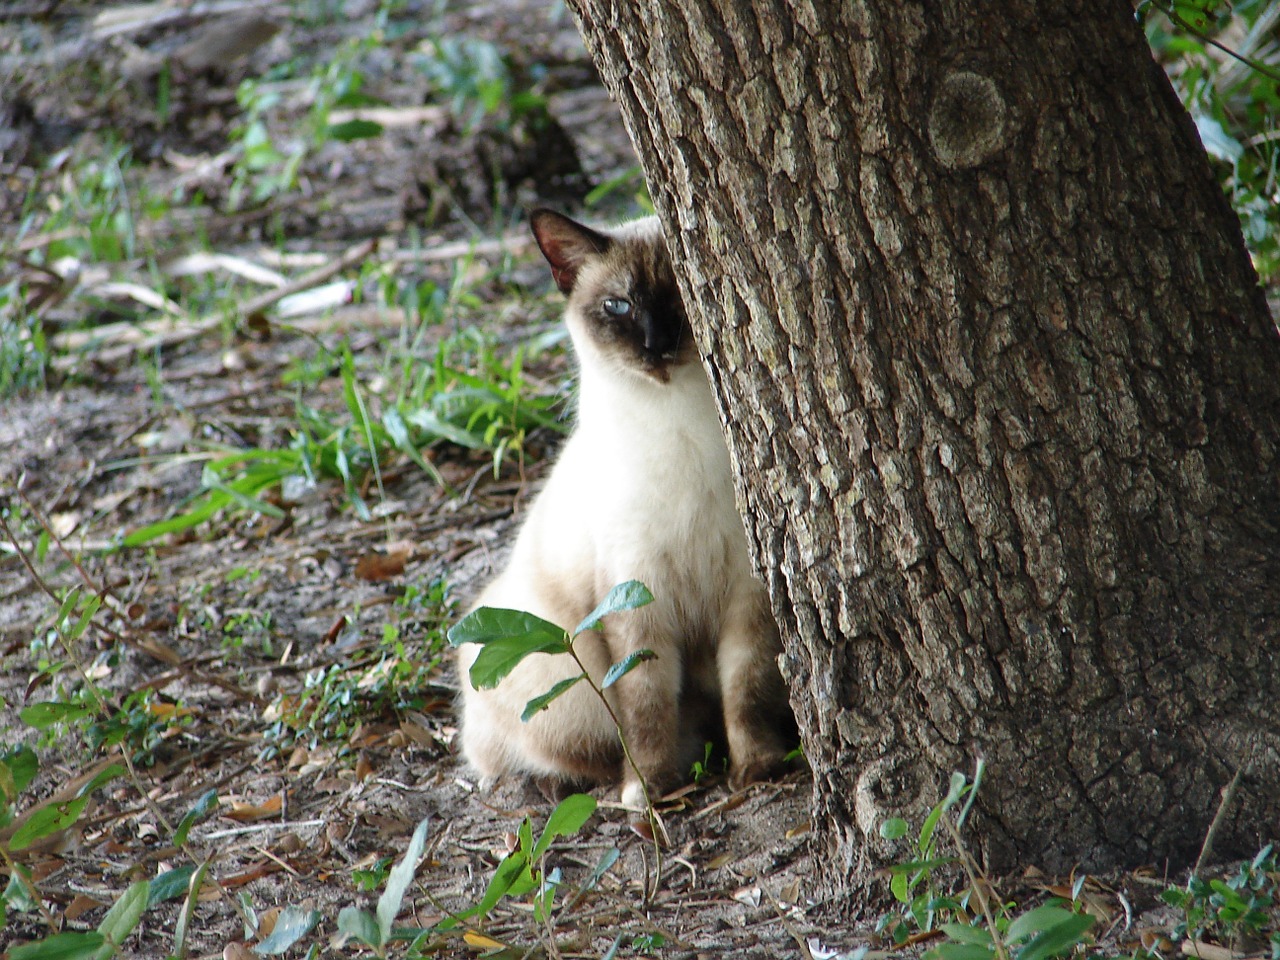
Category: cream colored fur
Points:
column 642, row 491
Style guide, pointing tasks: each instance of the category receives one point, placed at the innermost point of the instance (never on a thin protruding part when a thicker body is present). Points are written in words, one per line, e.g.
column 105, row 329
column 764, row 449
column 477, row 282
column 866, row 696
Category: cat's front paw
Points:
column 757, row 767
column 555, row 788
column 659, row 784
column 633, row 795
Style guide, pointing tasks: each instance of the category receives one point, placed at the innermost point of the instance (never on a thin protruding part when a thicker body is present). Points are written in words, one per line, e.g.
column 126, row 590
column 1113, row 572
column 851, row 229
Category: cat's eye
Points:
column 616, row 307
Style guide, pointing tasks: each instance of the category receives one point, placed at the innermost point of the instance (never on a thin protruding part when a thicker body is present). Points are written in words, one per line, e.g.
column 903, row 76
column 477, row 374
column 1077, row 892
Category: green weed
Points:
column 647, row 944
column 252, row 627
column 24, row 351
column 264, row 168
column 477, row 80
column 491, row 409
column 522, row 872
column 1232, row 910
column 96, row 198
column 506, row 637
column 630, row 181
column 702, row 768
column 372, row 877
column 388, row 679
column 977, row 924
column 1232, row 92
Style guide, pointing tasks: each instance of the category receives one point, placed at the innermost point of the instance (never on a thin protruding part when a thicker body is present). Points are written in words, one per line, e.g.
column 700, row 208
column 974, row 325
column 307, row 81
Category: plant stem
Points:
column 32, row 890
column 655, row 824
column 100, row 701
column 981, row 887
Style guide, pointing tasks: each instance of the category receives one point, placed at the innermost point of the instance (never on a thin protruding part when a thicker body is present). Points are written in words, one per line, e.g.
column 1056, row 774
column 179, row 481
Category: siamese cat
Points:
column 642, row 491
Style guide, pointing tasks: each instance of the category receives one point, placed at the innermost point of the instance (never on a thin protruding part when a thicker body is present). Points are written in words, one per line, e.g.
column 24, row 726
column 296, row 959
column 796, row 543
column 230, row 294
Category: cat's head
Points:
column 624, row 305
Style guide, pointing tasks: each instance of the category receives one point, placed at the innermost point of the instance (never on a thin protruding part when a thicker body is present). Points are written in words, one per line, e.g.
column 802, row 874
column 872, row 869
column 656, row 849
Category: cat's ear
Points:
column 566, row 244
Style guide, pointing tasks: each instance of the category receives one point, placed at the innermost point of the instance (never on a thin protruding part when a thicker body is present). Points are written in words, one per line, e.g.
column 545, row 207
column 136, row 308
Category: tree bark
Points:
column 1003, row 397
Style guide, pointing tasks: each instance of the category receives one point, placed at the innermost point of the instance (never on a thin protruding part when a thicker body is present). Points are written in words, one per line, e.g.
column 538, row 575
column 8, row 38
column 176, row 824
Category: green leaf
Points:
column 360, row 924
column 292, row 925
column 487, row 624
column 1058, row 939
column 911, row 866
column 513, row 871
column 45, row 714
column 22, row 765
column 963, row 933
column 1175, row 897
column 894, row 828
column 105, row 775
column 542, row 701
column 16, row 895
column 398, row 881
column 898, row 887
column 47, row 820
column 508, row 636
column 625, row 596
column 353, row 130
column 1033, row 921
column 207, row 803
column 441, row 429
column 925, row 843
column 203, row 510
column 90, row 608
column 979, row 768
column 607, row 860
column 524, row 835
column 123, row 917
column 1217, row 142
column 170, row 884
column 399, row 434
column 500, row 657
column 68, row 604
column 53, row 817
column 232, row 490
column 960, row 951
column 183, row 923
column 567, row 818
column 956, row 790
column 624, row 666
column 61, row 946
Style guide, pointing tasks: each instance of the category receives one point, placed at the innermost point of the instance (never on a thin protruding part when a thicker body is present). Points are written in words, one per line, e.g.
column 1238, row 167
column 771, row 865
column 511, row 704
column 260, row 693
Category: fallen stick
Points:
column 132, row 338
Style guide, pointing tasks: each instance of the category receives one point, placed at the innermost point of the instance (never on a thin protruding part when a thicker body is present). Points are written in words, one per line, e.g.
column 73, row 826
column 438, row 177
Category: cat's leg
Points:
column 753, row 694
column 647, row 703
column 572, row 740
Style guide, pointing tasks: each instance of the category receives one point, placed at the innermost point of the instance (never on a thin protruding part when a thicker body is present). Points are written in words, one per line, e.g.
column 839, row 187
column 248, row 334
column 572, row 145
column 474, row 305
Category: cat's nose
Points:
column 657, row 339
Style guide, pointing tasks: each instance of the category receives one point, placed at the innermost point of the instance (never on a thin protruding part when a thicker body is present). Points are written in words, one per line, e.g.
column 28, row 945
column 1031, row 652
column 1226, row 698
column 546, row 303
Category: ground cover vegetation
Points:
column 278, row 368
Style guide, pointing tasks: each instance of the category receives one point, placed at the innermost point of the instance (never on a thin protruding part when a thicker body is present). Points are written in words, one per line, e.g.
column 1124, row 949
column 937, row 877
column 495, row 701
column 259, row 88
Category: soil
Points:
column 229, row 624
column 223, row 624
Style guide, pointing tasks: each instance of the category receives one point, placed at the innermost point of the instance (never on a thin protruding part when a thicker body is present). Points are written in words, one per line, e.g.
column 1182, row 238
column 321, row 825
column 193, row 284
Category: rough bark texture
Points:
column 1002, row 394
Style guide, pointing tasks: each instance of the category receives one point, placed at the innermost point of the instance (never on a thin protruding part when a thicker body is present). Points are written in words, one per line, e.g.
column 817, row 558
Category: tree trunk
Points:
column 1003, row 396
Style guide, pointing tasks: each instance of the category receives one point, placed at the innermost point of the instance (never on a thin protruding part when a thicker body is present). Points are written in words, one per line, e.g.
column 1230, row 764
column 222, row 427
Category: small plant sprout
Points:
column 977, row 924
column 508, row 636
column 1232, row 910
column 523, row 870
column 375, row 929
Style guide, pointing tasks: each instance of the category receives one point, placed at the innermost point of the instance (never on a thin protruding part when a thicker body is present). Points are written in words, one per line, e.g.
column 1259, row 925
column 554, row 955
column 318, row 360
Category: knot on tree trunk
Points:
column 890, row 787
column 966, row 120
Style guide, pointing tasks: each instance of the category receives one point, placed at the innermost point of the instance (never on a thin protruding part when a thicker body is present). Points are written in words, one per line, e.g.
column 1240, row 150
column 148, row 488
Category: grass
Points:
column 470, row 395
column 940, row 892
column 1224, row 61
column 374, row 682
column 92, row 246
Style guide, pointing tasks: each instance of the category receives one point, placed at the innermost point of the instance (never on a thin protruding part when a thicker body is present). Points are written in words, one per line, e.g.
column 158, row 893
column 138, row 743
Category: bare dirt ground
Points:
column 224, row 623
column 292, row 662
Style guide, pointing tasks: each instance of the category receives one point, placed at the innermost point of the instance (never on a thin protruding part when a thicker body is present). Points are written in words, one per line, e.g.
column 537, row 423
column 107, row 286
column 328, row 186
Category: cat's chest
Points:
column 664, row 497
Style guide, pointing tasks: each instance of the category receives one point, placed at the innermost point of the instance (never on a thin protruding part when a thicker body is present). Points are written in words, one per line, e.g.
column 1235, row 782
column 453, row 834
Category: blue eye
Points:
column 616, row 307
